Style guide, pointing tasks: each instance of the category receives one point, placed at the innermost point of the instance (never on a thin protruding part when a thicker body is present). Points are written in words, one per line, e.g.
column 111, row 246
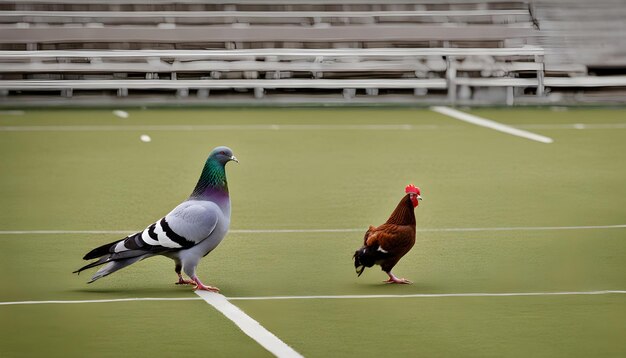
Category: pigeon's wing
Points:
column 184, row 227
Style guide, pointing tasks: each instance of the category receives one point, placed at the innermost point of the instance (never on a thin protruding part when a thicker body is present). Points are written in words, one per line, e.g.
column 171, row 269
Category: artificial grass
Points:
column 470, row 177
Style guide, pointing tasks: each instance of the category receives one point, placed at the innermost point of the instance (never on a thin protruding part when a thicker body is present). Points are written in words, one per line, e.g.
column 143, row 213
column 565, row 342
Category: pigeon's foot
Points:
column 202, row 287
column 394, row 279
column 207, row 288
column 182, row 281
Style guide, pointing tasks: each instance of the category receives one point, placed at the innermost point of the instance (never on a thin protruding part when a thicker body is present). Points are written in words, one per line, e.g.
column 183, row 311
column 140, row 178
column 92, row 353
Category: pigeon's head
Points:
column 222, row 155
column 414, row 194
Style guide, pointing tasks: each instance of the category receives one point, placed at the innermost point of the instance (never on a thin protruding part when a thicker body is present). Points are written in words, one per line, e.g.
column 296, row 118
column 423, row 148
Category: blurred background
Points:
column 297, row 51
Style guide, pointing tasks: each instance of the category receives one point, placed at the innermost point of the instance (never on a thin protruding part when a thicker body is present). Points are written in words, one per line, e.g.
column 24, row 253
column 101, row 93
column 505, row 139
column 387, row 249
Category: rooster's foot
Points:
column 394, row 279
column 399, row 280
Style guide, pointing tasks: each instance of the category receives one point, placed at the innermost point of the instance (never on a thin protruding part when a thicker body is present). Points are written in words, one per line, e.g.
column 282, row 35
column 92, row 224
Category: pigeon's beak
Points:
column 234, row 159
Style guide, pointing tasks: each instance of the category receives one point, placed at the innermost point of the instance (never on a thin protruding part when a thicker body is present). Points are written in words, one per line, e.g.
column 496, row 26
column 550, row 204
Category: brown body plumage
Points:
column 386, row 244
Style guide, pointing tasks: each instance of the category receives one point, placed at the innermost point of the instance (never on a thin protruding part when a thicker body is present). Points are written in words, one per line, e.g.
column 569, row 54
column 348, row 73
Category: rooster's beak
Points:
column 234, row 159
column 419, row 197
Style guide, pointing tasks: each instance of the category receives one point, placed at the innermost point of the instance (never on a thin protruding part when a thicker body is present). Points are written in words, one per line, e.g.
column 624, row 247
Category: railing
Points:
column 450, row 68
column 265, row 17
column 277, row 52
column 416, row 68
column 260, row 33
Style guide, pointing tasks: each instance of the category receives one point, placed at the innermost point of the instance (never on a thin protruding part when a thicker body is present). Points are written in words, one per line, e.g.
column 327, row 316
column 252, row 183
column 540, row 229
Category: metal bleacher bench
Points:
column 211, row 63
column 279, row 17
column 252, row 33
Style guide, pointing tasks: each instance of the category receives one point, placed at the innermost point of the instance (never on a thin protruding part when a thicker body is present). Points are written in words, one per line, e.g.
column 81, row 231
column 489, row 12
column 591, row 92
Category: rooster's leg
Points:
column 394, row 279
column 181, row 280
column 202, row 287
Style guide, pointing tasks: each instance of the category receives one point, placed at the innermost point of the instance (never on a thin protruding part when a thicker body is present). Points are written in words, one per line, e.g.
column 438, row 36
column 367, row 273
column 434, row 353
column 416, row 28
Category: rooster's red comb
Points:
column 412, row 189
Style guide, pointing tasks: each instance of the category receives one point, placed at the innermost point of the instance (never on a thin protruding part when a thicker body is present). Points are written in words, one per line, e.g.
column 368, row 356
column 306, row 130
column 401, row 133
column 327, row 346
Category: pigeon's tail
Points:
column 363, row 257
column 101, row 261
column 101, row 250
column 103, row 253
column 114, row 262
column 113, row 266
column 117, row 256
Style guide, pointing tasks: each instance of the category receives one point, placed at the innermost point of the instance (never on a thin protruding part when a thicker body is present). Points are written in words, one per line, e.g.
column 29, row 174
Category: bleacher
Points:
column 467, row 51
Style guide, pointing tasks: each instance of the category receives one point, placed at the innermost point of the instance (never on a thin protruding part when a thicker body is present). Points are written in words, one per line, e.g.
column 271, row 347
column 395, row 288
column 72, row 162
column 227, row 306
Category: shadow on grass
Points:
column 174, row 291
column 381, row 288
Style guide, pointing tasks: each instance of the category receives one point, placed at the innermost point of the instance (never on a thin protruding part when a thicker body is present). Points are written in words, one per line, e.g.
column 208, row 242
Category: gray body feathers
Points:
column 189, row 232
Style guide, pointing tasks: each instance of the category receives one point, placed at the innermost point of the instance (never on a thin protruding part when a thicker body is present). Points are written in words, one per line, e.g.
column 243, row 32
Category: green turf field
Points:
column 316, row 169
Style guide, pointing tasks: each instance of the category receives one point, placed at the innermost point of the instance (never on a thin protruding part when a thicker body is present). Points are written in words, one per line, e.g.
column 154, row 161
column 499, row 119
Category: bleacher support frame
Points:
column 316, row 62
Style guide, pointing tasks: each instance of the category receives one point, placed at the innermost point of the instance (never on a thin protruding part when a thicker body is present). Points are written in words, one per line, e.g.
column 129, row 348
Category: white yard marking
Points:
column 431, row 295
column 288, row 127
column 269, row 298
column 120, row 113
column 291, row 231
column 573, row 126
column 11, row 113
column 466, row 117
column 525, row 228
column 191, row 127
column 99, row 301
column 248, row 325
column 64, row 232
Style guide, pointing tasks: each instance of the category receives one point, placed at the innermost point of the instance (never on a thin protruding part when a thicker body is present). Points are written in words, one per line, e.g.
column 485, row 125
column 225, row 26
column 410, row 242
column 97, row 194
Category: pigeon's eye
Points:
column 223, row 153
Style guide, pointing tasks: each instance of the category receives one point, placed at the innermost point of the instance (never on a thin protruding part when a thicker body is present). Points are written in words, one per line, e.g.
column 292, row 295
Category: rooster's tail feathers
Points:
column 363, row 258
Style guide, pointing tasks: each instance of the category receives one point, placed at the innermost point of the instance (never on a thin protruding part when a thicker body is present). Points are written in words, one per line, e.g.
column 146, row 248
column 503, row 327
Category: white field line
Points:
column 430, row 295
column 65, row 232
column 291, row 231
column 301, row 127
column 260, row 298
column 12, row 113
column 248, row 325
column 92, row 128
column 573, row 126
column 100, row 301
column 469, row 118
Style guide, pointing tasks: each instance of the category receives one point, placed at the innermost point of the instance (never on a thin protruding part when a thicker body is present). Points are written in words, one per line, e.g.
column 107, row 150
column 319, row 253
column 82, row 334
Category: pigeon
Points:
column 189, row 232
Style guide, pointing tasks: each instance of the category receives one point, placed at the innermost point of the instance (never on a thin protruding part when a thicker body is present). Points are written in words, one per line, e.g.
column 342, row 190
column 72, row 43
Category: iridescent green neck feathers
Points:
column 212, row 180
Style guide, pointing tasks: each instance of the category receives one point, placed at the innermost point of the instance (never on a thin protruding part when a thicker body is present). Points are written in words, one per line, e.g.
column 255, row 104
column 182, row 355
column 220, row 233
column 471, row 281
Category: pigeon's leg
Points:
column 202, row 287
column 181, row 280
column 394, row 279
column 189, row 267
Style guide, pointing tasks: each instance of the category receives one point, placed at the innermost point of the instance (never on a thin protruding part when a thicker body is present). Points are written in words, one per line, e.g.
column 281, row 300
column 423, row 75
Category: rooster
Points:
column 385, row 245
